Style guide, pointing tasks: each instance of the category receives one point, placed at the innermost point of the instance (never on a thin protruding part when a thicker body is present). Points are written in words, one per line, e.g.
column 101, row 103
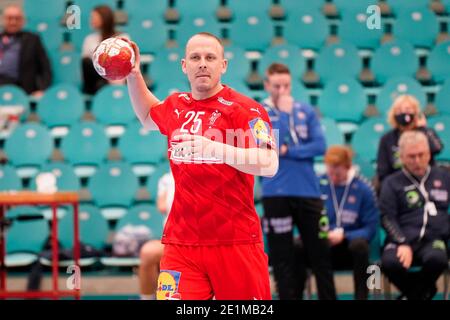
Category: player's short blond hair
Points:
column 338, row 155
column 396, row 104
column 209, row 35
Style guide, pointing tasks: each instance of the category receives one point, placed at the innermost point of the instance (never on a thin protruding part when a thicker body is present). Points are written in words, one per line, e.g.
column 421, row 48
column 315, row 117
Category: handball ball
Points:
column 113, row 59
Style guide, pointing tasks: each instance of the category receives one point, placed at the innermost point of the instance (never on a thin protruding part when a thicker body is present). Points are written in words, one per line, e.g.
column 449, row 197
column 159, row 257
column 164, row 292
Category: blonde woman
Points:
column 405, row 114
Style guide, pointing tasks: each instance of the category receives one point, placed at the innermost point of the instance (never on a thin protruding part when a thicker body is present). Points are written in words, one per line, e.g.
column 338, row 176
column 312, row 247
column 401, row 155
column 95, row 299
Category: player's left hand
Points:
column 194, row 146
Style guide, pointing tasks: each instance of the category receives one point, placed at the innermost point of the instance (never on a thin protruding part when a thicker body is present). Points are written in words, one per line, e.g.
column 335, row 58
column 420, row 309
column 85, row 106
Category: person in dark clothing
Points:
column 23, row 59
column 292, row 196
column 413, row 204
column 404, row 115
column 353, row 214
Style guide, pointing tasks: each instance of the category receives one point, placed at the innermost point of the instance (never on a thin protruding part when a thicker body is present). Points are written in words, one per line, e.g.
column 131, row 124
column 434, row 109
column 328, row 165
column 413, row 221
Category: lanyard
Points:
column 339, row 207
column 421, row 186
column 291, row 119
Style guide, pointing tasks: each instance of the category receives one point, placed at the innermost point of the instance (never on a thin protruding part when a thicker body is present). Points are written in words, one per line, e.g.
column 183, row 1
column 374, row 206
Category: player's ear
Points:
column 183, row 65
column 224, row 65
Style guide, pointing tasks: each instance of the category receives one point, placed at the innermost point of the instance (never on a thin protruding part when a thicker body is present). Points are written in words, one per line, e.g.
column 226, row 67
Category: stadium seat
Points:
column 28, row 147
column 308, row 30
column 194, row 23
column 394, row 58
column 66, row 180
column 419, row 27
column 61, row 105
column 152, row 182
column 338, row 59
column 259, row 209
column 364, row 166
column 442, row 101
column 142, row 148
column 293, row 7
column 398, row 6
column 238, row 65
column 350, row 6
column 446, row 4
column 112, row 106
column 120, row 192
column 143, row 28
column 442, row 126
column 44, row 9
column 87, row 6
column 333, row 135
column 11, row 95
column 164, row 89
column 93, row 231
column 299, row 92
column 23, row 211
column 201, row 8
column 25, row 239
column 366, row 138
column 50, row 31
column 66, row 68
column 353, row 29
column 148, row 8
column 244, row 27
column 439, row 61
column 289, row 55
column 9, row 180
column 139, row 215
column 343, row 100
column 167, row 66
column 395, row 87
column 239, row 7
column 257, row 191
column 85, row 145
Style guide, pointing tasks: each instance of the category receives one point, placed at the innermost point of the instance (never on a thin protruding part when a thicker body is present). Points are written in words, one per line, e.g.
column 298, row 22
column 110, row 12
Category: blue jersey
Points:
column 302, row 133
column 359, row 216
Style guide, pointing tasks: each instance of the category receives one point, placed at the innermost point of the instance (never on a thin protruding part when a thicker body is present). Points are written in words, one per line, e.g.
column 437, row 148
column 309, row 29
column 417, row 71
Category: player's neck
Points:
column 196, row 95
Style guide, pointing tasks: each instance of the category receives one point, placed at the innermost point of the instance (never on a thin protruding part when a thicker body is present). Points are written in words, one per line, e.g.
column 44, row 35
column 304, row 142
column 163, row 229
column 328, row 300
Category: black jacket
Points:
column 388, row 160
column 402, row 208
column 34, row 66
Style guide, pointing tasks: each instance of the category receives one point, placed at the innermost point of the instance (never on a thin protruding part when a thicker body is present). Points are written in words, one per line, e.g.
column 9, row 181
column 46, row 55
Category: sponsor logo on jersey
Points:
column 256, row 110
column 261, row 132
column 168, row 281
column 225, row 102
column 185, row 96
column 178, row 112
column 214, row 116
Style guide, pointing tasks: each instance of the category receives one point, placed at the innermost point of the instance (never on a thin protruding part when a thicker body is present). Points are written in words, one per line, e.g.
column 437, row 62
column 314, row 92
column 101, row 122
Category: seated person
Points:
column 23, row 59
column 353, row 216
column 152, row 251
column 414, row 209
column 102, row 21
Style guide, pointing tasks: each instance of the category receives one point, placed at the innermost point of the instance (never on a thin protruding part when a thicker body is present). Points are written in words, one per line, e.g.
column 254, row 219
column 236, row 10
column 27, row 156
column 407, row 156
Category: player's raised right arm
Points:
column 141, row 97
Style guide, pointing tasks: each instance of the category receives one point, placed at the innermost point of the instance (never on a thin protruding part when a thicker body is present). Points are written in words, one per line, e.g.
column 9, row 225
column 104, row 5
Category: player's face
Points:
column 204, row 65
column 13, row 20
column 337, row 173
column 415, row 158
column 278, row 84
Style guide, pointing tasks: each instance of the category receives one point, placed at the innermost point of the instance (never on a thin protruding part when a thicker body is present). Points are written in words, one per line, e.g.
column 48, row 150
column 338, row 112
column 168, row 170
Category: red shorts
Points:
column 227, row 272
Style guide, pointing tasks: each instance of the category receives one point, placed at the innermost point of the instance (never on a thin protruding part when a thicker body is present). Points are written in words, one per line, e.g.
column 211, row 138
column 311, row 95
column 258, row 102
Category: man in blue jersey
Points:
column 353, row 215
column 292, row 196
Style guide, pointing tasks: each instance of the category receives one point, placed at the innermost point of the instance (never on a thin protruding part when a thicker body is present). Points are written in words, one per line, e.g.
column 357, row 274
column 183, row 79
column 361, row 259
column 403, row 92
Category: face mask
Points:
column 404, row 119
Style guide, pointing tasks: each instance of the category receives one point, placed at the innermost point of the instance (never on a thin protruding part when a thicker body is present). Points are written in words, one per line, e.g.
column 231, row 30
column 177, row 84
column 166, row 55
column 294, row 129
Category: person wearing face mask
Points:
column 403, row 116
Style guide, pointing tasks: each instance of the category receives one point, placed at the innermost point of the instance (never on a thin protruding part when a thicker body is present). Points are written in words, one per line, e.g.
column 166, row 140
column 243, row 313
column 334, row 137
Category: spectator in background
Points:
column 23, row 59
column 404, row 115
column 152, row 251
column 414, row 203
column 292, row 196
column 353, row 214
column 102, row 21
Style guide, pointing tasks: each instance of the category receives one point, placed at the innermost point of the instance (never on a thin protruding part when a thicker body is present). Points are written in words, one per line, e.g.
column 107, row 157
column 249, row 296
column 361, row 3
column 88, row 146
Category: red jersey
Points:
column 213, row 202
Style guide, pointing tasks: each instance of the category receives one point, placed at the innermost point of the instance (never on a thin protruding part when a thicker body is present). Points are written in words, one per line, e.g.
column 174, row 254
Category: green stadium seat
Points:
column 289, row 55
column 350, row 6
column 244, row 27
column 333, row 134
column 44, row 9
column 143, row 28
column 353, row 29
column 29, row 147
column 23, row 211
column 238, row 65
column 257, row 191
column 446, row 4
column 61, row 105
column 14, row 96
column 365, row 167
column 398, row 6
column 200, row 8
column 167, row 66
column 442, row 126
column 366, row 138
column 164, row 89
column 343, row 100
column 439, row 62
column 442, row 101
column 338, row 59
column 142, row 148
column 294, row 6
column 87, row 6
column 419, row 27
column 152, row 182
column 397, row 86
column 112, row 106
column 394, row 58
column 148, row 8
column 66, row 180
column 51, row 33
column 259, row 209
column 85, row 145
column 9, row 180
column 299, row 92
column 308, row 30
column 122, row 186
column 66, row 68
column 239, row 7
column 194, row 23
